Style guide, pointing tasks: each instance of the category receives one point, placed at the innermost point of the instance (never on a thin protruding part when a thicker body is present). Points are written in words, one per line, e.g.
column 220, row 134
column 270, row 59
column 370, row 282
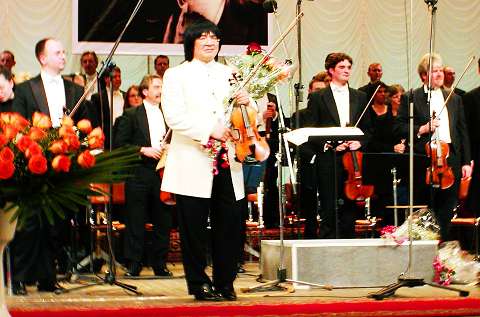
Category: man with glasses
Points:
column 193, row 103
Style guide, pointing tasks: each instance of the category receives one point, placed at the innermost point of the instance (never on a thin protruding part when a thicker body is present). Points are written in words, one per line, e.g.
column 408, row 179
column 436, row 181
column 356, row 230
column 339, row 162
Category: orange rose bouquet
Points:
column 49, row 170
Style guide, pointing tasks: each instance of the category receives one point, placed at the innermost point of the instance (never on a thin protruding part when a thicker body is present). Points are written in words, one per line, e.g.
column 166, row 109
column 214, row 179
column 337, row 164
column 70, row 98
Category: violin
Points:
column 249, row 145
column 166, row 197
column 353, row 187
column 439, row 174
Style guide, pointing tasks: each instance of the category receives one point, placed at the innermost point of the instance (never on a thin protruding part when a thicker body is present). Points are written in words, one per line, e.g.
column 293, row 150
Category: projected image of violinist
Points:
column 338, row 105
column 442, row 134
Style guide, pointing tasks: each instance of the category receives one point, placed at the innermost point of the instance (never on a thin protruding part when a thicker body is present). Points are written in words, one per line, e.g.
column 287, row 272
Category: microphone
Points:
column 270, row 6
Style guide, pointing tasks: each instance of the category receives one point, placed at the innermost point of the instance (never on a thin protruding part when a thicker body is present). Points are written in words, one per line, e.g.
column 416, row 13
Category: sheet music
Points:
column 300, row 136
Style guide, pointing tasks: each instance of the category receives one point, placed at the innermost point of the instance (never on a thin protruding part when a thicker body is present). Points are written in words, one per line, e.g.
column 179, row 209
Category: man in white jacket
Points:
column 193, row 101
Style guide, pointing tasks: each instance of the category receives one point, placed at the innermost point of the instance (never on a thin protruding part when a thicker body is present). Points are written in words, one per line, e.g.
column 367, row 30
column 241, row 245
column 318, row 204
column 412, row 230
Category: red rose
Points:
column 66, row 122
column 3, row 140
column 96, row 138
column 254, row 48
column 86, row 159
column 6, row 169
column 65, row 130
column 14, row 119
column 72, row 142
column 41, row 121
column 58, row 147
column 6, row 155
column 10, row 131
column 61, row 163
column 23, row 143
column 37, row 164
column 33, row 149
column 85, row 126
column 37, row 134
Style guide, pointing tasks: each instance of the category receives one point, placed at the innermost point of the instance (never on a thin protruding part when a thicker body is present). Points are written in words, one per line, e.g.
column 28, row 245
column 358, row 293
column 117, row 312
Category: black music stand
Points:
column 336, row 135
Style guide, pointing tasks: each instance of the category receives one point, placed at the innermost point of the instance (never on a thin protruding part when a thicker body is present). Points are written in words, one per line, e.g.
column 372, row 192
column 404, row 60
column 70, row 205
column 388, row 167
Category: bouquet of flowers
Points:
column 49, row 170
column 453, row 265
column 424, row 227
column 270, row 73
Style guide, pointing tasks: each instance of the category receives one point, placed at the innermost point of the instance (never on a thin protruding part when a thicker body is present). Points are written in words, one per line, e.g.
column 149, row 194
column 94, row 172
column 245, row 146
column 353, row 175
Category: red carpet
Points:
column 364, row 308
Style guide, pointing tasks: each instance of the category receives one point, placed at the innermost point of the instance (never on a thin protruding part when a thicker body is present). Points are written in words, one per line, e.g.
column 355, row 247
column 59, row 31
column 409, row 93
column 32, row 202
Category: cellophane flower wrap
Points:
column 453, row 265
column 424, row 227
column 45, row 170
column 270, row 73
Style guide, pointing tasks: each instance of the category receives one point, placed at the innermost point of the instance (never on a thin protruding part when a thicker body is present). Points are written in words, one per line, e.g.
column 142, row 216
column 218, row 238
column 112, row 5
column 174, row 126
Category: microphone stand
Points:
column 110, row 277
column 406, row 279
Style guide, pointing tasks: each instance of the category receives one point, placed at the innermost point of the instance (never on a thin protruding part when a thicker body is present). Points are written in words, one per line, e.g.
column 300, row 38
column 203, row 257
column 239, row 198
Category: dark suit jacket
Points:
column 323, row 111
column 30, row 97
column 369, row 89
column 97, row 112
column 421, row 114
column 471, row 103
column 132, row 128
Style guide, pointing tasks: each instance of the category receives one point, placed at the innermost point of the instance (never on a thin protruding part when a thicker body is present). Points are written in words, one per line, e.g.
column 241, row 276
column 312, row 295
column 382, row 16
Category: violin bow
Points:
column 244, row 82
column 456, row 84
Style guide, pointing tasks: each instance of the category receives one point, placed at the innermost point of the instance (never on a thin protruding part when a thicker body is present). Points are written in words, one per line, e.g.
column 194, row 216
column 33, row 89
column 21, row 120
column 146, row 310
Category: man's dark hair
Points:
column 40, row 47
column 195, row 29
column 95, row 57
column 334, row 58
column 161, row 56
column 6, row 73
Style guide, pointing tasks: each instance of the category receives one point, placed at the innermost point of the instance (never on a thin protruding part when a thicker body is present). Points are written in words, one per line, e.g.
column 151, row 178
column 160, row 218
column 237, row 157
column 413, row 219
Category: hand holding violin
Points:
column 221, row 132
column 424, row 128
column 241, row 97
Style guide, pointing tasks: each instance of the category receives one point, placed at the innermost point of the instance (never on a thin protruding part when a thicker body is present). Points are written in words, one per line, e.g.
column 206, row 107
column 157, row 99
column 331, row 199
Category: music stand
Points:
column 319, row 137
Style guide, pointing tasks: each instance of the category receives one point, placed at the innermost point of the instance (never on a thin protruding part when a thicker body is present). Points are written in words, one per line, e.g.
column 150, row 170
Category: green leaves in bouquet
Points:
column 68, row 192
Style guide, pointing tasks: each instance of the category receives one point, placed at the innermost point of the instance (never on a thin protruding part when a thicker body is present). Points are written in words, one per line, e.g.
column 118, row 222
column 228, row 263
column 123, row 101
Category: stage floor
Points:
column 172, row 292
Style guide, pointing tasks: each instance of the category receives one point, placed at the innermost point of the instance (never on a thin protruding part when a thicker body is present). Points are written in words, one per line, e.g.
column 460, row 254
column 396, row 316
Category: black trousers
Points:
column 142, row 203
column 329, row 170
column 33, row 252
column 445, row 200
column 225, row 216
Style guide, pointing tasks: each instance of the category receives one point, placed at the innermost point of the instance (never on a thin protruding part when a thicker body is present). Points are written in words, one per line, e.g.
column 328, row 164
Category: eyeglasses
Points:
column 205, row 36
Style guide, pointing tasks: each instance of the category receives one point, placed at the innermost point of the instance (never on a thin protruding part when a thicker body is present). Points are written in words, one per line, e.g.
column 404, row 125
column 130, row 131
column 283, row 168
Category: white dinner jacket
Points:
column 193, row 97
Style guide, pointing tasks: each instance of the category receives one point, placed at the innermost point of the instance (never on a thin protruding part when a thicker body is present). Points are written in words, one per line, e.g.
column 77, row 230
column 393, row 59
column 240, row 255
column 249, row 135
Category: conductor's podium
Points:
column 347, row 262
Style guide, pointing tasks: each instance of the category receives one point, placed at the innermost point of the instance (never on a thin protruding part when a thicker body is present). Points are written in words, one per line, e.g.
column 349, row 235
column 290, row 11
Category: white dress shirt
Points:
column 94, row 89
column 156, row 125
column 342, row 100
column 117, row 103
column 55, row 92
column 436, row 104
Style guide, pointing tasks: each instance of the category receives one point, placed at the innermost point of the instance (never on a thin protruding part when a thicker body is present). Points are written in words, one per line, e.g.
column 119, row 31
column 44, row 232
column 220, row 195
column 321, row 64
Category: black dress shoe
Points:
column 206, row 293
column 227, row 293
column 133, row 269
column 162, row 271
column 18, row 288
column 48, row 286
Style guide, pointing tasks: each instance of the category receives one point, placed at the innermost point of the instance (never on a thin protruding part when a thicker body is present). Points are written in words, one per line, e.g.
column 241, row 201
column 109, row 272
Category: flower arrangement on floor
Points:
column 453, row 265
column 45, row 170
column 270, row 73
column 424, row 227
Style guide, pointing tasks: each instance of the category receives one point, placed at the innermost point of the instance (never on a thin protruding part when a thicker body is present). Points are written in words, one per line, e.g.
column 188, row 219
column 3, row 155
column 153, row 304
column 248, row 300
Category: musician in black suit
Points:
column 336, row 106
column 471, row 102
column 145, row 127
column 101, row 103
column 34, row 247
column 450, row 124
